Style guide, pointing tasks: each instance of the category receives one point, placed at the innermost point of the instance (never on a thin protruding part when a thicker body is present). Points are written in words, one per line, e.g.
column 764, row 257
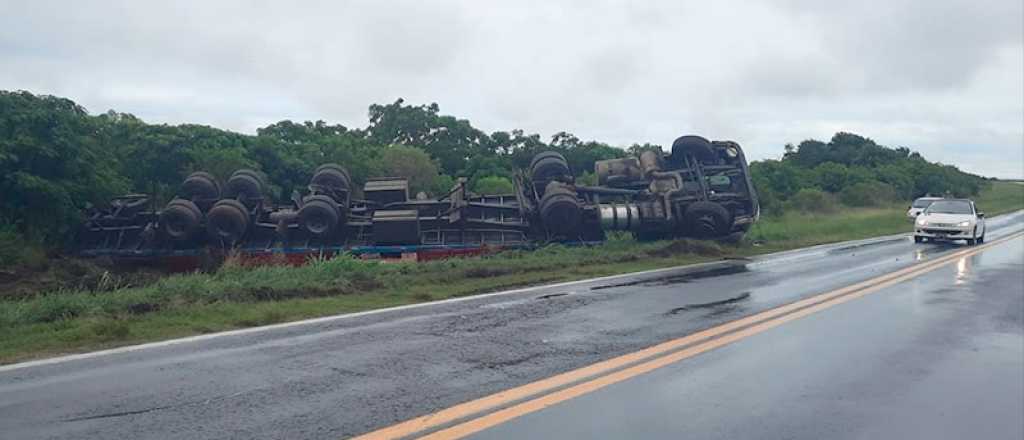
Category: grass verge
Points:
column 237, row 297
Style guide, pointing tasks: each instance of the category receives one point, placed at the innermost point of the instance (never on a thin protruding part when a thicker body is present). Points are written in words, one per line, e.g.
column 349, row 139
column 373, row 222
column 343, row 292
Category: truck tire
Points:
column 332, row 176
column 246, row 186
column 560, row 210
column 200, row 185
column 548, row 166
column 334, row 166
column 180, row 219
column 319, row 215
column 697, row 146
column 255, row 175
column 707, row 220
column 227, row 221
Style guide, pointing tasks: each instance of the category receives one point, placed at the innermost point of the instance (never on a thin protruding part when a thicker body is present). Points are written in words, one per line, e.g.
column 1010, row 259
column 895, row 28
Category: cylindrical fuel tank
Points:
column 619, row 217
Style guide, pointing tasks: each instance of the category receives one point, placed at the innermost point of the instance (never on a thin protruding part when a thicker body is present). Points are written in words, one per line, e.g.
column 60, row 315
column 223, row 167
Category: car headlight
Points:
column 921, row 221
column 964, row 224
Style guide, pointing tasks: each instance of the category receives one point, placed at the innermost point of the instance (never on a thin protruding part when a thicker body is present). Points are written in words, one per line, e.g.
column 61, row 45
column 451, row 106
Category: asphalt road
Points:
column 942, row 350
column 940, row 356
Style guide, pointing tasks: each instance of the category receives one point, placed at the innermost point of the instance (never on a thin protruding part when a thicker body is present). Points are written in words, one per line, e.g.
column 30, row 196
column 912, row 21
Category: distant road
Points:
column 897, row 351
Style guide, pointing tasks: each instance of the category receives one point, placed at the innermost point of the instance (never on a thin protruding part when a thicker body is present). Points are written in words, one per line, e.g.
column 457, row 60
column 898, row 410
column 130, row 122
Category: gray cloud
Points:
column 942, row 76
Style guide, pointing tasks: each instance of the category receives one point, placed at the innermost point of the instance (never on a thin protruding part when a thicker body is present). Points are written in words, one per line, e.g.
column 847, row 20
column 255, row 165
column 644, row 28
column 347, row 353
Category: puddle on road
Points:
column 741, row 297
column 553, row 295
column 862, row 246
column 679, row 279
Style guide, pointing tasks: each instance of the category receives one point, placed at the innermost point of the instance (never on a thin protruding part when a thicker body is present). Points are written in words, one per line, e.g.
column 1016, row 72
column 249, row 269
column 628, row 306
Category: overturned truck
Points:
column 701, row 189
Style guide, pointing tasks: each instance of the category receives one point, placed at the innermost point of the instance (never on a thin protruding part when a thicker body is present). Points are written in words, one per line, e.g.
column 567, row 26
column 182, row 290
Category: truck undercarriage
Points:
column 701, row 189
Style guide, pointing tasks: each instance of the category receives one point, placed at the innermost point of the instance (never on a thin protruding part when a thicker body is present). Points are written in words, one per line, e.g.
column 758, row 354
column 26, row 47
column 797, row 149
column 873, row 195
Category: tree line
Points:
column 855, row 171
column 57, row 159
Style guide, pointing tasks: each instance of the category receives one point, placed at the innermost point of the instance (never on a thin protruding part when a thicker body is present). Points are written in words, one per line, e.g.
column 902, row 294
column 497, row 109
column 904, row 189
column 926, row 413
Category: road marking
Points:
column 601, row 374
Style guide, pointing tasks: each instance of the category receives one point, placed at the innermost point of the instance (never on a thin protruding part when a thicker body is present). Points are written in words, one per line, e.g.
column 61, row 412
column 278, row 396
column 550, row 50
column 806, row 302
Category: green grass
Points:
column 794, row 230
column 800, row 229
column 238, row 297
column 1001, row 198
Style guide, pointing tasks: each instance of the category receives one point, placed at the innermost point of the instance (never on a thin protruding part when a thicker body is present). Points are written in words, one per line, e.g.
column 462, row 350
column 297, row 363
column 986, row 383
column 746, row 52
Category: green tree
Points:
column 493, row 185
column 450, row 140
column 870, row 193
column 51, row 165
column 831, row 176
column 411, row 163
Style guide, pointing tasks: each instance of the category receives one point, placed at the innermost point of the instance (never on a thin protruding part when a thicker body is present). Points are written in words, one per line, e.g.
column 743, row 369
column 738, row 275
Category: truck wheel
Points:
column 245, row 185
column 227, row 221
column 200, row 185
column 180, row 219
column 332, row 175
column 319, row 215
column 697, row 146
column 547, row 166
column 560, row 211
column 707, row 220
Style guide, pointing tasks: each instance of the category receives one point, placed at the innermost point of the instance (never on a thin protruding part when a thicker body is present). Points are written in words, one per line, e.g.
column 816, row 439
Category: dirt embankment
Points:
column 59, row 273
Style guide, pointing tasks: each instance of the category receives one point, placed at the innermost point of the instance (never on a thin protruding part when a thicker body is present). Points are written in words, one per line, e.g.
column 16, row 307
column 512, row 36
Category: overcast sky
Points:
column 942, row 77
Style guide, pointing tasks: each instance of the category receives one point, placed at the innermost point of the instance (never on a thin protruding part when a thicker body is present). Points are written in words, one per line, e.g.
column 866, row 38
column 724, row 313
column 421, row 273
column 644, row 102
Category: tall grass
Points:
column 796, row 229
column 1001, row 197
column 16, row 250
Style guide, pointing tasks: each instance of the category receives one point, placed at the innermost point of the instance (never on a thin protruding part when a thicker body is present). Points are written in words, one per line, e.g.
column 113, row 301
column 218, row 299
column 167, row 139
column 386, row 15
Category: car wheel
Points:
column 918, row 239
column 981, row 239
column 971, row 242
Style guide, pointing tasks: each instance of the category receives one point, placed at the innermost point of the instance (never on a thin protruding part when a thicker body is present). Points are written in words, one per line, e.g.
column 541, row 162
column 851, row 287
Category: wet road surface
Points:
column 939, row 356
column 869, row 367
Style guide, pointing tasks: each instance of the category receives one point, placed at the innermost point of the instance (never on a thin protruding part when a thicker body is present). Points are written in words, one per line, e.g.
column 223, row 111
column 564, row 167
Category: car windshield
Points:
column 950, row 207
column 922, row 203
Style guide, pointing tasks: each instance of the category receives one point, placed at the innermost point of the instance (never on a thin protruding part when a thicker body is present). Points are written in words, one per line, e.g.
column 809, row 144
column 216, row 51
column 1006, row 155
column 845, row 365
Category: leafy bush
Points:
column 769, row 201
column 812, row 200
column 442, row 184
column 872, row 193
column 831, row 176
column 15, row 250
column 491, row 185
column 587, row 178
column 409, row 162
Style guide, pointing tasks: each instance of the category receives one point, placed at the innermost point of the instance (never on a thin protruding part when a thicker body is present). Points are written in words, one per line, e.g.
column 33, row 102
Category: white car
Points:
column 920, row 205
column 950, row 219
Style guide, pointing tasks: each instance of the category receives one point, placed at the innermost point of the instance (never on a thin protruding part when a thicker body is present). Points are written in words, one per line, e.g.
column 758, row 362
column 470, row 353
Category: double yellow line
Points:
column 584, row 380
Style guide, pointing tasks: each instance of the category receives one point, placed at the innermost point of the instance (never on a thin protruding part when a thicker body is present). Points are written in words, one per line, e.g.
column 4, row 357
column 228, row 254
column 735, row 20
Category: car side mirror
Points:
column 981, row 215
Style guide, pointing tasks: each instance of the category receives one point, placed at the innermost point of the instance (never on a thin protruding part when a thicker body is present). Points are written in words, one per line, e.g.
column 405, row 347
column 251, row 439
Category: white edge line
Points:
column 323, row 319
